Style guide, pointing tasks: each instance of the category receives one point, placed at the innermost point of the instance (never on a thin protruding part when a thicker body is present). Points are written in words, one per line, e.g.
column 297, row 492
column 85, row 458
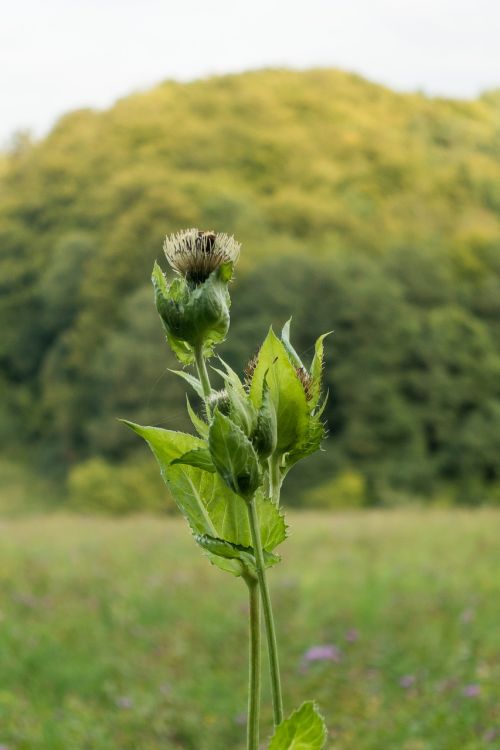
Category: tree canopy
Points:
column 374, row 213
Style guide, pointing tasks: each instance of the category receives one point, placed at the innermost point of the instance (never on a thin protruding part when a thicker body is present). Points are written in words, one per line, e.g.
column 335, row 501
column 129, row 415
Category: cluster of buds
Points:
column 273, row 417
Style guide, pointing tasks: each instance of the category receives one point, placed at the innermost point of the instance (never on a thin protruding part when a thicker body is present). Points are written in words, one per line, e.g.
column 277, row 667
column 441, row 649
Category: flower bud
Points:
column 194, row 307
column 218, row 400
column 265, row 437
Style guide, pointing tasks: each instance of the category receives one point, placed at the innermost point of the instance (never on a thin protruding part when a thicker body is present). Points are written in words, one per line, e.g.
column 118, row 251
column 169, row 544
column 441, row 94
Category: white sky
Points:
column 57, row 55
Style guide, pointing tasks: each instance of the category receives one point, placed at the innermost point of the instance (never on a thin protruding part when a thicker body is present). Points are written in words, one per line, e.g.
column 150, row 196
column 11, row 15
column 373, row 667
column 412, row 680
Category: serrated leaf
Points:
column 163, row 296
column 286, row 391
column 235, row 567
column 233, row 455
column 228, row 374
column 200, row 426
column 206, row 502
column 160, row 284
column 304, row 730
column 311, row 443
column 199, row 457
column 317, row 368
column 285, row 337
column 273, row 528
column 242, row 411
column 192, row 380
column 220, row 548
column 182, row 350
column 225, row 271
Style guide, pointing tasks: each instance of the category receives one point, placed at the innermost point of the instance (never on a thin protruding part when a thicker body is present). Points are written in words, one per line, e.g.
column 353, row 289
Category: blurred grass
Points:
column 117, row 634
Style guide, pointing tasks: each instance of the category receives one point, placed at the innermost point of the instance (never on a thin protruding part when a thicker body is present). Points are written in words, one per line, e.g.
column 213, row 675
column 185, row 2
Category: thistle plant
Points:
column 227, row 479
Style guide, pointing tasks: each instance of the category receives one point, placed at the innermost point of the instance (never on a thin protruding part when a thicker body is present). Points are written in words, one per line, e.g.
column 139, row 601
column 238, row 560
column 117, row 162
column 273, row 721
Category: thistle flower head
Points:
column 195, row 254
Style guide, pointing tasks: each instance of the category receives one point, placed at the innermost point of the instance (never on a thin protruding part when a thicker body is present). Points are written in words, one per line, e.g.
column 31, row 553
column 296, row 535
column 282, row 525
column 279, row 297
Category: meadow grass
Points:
column 118, row 635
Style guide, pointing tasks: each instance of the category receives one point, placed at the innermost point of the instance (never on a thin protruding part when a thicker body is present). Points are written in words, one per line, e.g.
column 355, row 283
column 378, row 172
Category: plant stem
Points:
column 274, row 479
column 203, row 376
column 254, row 666
column 272, row 645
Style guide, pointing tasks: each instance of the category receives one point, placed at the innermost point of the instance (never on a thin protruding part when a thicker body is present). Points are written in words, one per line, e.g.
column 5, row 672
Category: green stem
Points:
column 272, row 645
column 203, row 375
column 254, row 666
column 274, row 479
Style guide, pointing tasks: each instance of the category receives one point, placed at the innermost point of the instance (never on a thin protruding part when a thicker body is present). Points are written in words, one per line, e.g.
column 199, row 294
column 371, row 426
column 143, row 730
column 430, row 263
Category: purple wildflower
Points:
column 322, row 653
column 124, row 702
column 407, row 681
column 471, row 691
column 490, row 735
column 352, row 635
column 467, row 616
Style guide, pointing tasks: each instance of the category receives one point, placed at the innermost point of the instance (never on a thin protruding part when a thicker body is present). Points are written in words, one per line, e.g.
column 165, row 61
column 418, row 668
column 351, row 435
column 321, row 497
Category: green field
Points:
column 117, row 635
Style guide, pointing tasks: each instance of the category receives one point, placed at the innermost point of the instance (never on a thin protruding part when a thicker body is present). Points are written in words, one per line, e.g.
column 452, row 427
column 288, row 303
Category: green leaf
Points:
column 204, row 499
column 200, row 426
column 285, row 337
column 230, row 375
column 164, row 296
column 242, row 410
column 225, row 271
column 316, row 433
column 192, row 380
column 245, row 555
column 286, row 392
column 233, row 455
column 199, row 457
column 317, row 369
column 159, row 281
column 304, row 730
column 183, row 351
column 273, row 528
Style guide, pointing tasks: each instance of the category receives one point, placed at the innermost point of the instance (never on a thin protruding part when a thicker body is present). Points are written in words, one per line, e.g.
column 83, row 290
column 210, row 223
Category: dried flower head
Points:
column 195, row 254
column 306, row 381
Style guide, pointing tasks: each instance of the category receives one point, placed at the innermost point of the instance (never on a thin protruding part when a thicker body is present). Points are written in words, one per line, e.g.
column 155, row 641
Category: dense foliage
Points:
column 379, row 211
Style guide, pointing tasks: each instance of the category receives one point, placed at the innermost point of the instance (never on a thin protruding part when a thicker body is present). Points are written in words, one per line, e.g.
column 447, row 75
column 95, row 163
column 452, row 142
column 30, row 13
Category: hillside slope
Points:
column 313, row 165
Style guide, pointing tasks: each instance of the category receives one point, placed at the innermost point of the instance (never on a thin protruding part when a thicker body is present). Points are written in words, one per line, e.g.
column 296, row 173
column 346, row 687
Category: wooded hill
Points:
column 369, row 212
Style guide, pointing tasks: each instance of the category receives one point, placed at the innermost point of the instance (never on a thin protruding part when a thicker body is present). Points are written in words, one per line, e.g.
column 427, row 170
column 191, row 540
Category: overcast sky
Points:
column 57, row 55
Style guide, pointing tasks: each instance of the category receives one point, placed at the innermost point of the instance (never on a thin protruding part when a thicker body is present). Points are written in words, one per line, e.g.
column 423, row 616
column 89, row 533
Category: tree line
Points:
column 375, row 214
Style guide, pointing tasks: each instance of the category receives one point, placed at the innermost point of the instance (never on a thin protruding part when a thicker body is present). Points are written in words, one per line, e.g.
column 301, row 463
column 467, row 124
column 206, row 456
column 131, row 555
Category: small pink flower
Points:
column 407, row 681
column 471, row 691
column 322, row 653
column 124, row 702
column 467, row 616
column 491, row 734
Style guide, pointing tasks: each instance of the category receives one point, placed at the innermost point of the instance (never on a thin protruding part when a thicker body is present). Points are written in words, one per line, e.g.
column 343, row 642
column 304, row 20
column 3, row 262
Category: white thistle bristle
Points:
column 195, row 255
